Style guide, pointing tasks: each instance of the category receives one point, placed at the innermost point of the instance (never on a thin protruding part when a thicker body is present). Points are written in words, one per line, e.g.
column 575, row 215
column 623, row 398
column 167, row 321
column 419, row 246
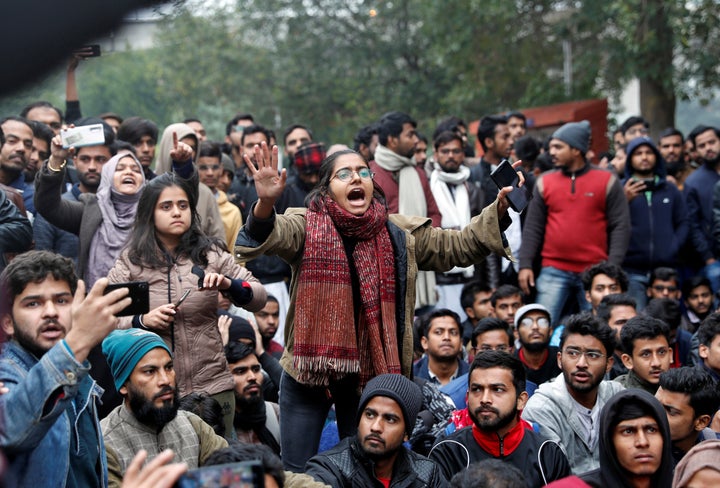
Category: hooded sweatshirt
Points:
column 659, row 224
column 610, row 472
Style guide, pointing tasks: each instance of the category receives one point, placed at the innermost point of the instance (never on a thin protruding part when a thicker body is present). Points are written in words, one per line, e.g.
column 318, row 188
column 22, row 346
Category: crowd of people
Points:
column 353, row 316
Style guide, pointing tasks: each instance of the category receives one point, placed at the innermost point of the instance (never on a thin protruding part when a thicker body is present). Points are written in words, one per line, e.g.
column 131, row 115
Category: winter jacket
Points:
column 552, row 407
column 610, row 473
column 35, row 426
column 576, row 220
column 347, row 466
column 699, row 188
column 416, row 244
column 540, row 460
column 658, row 219
column 81, row 217
column 15, row 229
column 199, row 360
column 421, row 369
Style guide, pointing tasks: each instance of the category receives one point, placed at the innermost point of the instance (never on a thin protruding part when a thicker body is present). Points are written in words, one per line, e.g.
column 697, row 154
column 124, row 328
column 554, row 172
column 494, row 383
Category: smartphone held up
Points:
column 505, row 175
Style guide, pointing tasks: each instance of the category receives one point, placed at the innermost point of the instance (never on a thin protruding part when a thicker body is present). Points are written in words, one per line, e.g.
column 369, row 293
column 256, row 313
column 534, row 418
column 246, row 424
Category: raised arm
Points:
column 269, row 184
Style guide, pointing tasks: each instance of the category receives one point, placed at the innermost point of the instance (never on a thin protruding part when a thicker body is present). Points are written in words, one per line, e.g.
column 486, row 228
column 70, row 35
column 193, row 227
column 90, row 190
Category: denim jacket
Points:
column 35, row 427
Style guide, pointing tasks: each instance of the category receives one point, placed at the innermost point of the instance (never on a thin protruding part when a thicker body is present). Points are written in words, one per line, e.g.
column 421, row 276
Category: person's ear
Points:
column 701, row 422
column 521, row 401
column 424, row 343
column 8, row 325
column 627, row 360
column 469, row 311
column 123, row 390
column 559, row 359
column 610, row 362
column 703, row 351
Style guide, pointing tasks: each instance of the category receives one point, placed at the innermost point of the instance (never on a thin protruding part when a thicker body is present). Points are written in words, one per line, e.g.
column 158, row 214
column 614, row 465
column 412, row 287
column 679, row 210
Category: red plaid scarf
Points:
column 328, row 345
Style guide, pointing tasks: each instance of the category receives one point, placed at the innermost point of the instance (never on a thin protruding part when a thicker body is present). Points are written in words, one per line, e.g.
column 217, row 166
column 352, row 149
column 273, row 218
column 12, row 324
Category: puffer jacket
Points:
column 347, row 466
column 199, row 360
column 416, row 244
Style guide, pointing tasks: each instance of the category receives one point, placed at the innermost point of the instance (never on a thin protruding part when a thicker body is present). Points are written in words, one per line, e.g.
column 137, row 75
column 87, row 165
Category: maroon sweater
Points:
column 576, row 220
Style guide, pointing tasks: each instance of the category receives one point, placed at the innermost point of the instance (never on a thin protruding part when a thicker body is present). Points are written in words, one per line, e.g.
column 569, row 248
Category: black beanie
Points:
column 407, row 394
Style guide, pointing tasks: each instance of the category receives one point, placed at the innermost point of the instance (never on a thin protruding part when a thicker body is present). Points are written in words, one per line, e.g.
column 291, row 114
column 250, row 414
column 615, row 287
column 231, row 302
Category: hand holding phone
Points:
column 505, row 175
column 140, row 294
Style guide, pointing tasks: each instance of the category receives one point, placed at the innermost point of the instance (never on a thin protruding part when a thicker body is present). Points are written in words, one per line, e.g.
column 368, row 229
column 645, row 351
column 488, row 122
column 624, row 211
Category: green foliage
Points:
column 337, row 65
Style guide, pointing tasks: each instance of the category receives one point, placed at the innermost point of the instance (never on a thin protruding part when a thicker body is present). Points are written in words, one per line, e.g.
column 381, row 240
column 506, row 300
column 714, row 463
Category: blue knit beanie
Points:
column 575, row 134
column 123, row 349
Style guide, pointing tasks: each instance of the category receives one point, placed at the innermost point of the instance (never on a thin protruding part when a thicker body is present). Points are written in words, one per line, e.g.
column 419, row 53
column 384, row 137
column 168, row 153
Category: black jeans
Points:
column 303, row 410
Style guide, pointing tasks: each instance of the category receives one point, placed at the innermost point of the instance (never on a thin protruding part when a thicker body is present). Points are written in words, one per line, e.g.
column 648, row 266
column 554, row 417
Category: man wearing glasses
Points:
column 533, row 329
column 458, row 202
column 568, row 408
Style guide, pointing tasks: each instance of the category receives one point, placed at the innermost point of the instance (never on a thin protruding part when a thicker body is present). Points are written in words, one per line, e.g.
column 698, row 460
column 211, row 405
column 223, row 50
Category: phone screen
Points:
column 246, row 474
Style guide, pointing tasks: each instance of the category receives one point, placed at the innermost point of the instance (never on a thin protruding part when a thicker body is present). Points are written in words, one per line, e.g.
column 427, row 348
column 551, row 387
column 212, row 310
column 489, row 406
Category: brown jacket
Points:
column 199, row 359
column 417, row 245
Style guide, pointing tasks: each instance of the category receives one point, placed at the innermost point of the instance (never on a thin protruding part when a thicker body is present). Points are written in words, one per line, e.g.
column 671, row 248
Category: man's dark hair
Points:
column 610, row 270
column 634, row 120
column 489, row 473
column 665, row 309
column 111, row 115
column 499, row 359
column 15, row 118
column 664, row 273
column 42, row 131
column 698, row 383
column 33, row 267
column 517, row 115
column 695, row 282
column 125, row 146
column 699, row 129
column 505, row 291
column 254, row 129
column 467, row 295
column 709, row 328
column 205, row 407
column 445, row 137
column 238, row 452
column 527, row 148
column 2, row 138
column 233, row 122
column 287, row 131
column 40, row 104
column 192, row 119
column 586, row 324
column 440, row 312
column 487, row 126
column 133, row 129
column 669, row 132
column 642, row 327
column 449, row 124
column 632, row 408
column 364, row 136
column 391, row 124
column 491, row 323
column 611, row 301
column 210, row 149
column 237, row 351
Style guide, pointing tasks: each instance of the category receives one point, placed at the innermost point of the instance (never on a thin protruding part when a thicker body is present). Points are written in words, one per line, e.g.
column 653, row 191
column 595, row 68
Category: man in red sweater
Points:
column 578, row 217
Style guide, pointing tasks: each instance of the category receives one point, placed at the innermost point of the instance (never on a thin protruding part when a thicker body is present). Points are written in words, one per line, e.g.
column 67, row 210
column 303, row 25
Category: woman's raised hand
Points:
column 159, row 318
column 269, row 184
column 181, row 152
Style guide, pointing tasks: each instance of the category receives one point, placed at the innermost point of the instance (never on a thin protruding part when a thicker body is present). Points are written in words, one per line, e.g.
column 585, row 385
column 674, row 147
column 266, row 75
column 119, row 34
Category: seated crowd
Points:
column 376, row 316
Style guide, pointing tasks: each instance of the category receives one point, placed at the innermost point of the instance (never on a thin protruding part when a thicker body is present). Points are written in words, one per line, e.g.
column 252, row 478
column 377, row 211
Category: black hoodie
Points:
column 611, row 474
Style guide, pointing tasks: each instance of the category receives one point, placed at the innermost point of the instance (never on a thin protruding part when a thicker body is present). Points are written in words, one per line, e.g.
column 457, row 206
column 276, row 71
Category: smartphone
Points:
column 649, row 184
column 182, row 298
column 89, row 51
column 86, row 135
column 505, row 175
column 246, row 474
column 140, row 294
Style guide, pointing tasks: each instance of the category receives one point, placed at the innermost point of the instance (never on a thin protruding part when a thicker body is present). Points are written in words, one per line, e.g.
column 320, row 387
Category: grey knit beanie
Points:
column 405, row 392
column 575, row 134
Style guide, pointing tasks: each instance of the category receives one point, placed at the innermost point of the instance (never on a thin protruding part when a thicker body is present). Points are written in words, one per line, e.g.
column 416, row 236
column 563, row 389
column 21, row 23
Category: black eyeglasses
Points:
column 346, row 174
